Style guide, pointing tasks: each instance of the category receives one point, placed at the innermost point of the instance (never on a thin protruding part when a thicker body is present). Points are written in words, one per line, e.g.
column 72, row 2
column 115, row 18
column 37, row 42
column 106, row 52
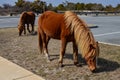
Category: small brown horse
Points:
column 67, row 27
column 26, row 18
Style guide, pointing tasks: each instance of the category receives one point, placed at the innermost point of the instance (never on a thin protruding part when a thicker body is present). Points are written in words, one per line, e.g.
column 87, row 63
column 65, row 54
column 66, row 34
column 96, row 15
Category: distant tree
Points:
column 79, row 6
column 109, row 8
column 39, row 6
column 23, row 5
column 70, row 6
column 50, row 7
column 35, row 6
column 89, row 6
column 117, row 8
column 61, row 7
column 99, row 7
column 43, row 6
column 20, row 3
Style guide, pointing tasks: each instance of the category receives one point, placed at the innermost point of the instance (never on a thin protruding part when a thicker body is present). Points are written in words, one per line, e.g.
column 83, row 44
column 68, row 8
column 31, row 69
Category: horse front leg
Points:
column 75, row 53
column 62, row 52
column 24, row 30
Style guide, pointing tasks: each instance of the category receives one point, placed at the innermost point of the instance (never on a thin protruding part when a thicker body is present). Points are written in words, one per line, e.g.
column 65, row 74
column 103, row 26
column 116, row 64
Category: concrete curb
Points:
column 11, row 71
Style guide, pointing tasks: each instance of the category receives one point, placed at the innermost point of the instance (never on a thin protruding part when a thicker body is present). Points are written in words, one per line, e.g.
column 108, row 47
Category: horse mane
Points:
column 82, row 34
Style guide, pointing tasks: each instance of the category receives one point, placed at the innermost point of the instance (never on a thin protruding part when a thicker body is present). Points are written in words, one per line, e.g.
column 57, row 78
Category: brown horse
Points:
column 67, row 27
column 26, row 18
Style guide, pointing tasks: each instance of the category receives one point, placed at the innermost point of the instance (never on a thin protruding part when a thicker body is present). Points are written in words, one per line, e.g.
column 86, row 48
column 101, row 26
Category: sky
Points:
column 57, row 2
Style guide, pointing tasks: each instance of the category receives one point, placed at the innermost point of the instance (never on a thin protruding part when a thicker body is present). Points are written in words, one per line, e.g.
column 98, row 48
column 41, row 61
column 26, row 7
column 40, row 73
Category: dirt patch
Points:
column 24, row 52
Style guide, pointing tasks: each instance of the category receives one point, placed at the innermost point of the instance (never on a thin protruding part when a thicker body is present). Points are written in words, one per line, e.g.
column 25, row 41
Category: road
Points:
column 108, row 30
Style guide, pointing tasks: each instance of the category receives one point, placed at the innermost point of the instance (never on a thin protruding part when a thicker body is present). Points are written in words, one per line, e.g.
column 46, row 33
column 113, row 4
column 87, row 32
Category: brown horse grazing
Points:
column 26, row 18
column 67, row 27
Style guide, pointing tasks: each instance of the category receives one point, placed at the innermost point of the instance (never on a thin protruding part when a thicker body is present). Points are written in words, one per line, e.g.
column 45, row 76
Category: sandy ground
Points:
column 24, row 52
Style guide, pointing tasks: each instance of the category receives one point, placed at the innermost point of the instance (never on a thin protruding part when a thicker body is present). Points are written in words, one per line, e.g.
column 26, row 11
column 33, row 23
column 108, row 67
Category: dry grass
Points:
column 24, row 52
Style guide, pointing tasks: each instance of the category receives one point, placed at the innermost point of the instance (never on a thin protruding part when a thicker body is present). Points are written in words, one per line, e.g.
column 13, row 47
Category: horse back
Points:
column 27, row 17
column 30, row 17
column 51, row 24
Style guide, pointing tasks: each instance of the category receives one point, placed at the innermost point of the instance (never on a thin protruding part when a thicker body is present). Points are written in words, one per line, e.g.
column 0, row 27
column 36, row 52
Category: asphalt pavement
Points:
column 108, row 30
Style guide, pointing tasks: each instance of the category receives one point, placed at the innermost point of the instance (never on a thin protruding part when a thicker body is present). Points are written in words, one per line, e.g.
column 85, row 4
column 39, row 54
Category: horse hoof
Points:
column 60, row 65
column 48, row 60
column 94, row 71
column 77, row 64
column 33, row 33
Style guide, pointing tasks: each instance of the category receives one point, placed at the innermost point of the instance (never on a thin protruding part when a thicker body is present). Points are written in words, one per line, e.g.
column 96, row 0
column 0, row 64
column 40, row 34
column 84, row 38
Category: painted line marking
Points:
column 106, row 34
column 109, row 44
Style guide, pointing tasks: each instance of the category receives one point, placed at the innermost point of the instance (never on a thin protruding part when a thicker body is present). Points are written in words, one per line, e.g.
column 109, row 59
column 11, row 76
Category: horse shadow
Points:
column 104, row 65
column 107, row 65
column 30, row 34
column 34, row 33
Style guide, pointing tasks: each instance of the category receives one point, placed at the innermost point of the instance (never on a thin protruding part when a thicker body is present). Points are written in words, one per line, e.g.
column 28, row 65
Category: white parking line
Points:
column 106, row 34
column 98, row 35
column 110, row 44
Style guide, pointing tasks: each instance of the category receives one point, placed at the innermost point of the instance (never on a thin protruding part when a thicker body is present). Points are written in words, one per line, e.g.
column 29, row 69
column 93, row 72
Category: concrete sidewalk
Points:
column 11, row 71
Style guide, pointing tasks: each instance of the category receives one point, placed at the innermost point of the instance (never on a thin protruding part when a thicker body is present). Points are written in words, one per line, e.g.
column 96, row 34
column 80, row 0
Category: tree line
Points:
column 39, row 6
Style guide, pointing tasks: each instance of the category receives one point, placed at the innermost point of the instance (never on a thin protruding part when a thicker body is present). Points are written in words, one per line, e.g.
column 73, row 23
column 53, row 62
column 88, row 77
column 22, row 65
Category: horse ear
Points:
column 94, row 45
column 97, row 43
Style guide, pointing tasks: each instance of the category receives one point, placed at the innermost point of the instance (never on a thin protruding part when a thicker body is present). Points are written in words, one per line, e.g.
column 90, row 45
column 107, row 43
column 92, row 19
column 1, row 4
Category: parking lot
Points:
column 108, row 30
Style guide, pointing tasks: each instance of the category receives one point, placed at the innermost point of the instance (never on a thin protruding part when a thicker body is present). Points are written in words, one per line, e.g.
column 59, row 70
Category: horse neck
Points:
column 82, row 34
column 83, row 39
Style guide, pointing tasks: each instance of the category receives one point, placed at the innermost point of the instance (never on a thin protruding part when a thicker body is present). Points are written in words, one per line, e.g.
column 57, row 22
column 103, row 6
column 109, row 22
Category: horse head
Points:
column 91, row 57
column 20, row 29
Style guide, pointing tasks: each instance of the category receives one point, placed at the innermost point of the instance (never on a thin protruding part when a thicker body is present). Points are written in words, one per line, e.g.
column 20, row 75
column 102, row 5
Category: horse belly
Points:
column 52, row 27
column 53, row 32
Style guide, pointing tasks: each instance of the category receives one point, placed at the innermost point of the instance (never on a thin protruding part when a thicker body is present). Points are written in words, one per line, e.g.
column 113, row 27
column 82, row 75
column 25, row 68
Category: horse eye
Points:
column 90, row 61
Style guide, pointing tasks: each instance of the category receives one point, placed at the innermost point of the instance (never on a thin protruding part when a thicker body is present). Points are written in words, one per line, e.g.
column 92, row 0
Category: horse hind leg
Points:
column 28, row 28
column 32, row 27
column 45, row 49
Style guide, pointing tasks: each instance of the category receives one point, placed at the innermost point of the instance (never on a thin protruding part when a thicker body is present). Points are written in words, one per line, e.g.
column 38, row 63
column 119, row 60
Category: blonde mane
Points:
column 82, row 34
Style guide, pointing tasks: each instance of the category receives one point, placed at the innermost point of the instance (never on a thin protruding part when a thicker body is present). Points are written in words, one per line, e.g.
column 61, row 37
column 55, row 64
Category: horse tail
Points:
column 40, row 42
